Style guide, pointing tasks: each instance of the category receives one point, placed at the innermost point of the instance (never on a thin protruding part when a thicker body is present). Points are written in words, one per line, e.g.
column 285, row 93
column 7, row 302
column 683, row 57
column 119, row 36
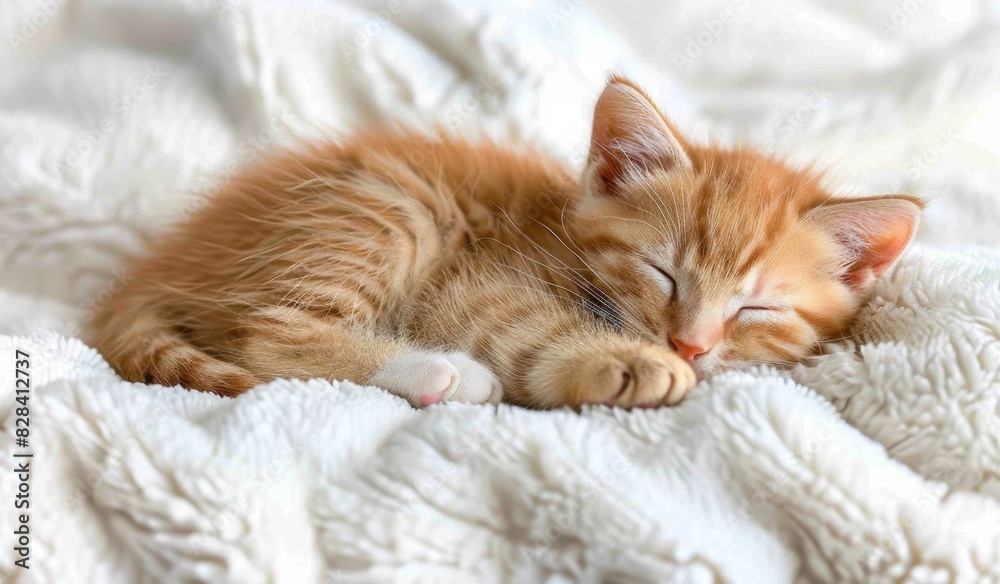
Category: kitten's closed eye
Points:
column 759, row 313
column 670, row 284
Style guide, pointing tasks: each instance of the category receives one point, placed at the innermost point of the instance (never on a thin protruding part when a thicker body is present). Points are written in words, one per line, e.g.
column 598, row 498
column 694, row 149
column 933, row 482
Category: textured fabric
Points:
column 878, row 461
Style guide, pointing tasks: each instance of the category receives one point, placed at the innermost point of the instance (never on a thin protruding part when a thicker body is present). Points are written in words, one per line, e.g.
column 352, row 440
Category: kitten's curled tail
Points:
column 142, row 347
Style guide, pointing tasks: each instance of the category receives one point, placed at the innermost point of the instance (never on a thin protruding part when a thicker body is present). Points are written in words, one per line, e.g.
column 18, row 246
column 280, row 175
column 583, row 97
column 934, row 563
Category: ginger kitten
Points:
column 444, row 270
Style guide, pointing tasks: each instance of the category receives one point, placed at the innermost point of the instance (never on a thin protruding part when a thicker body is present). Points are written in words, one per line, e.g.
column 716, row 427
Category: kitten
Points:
column 444, row 270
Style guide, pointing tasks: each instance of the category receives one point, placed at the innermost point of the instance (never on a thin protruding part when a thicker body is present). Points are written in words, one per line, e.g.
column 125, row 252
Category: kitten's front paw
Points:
column 424, row 378
column 631, row 375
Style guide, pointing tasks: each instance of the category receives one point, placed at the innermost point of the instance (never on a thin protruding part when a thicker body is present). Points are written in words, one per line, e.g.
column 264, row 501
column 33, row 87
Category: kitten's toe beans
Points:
column 496, row 395
column 617, row 380
column 638, row 375
column 673, row 378
column 422, row 378
column 425, row 378
column 477, row 384
column 681, row 381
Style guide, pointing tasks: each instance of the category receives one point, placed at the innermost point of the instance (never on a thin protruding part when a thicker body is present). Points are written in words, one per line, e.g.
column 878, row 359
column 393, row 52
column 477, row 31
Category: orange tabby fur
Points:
column 421, row 264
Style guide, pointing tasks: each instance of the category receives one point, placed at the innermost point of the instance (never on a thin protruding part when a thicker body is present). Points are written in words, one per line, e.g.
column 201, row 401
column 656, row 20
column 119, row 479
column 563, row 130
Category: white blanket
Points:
column 876, row 462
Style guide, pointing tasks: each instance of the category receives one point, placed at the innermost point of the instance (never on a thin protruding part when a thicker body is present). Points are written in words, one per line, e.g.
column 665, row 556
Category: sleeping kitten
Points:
column 443, row 270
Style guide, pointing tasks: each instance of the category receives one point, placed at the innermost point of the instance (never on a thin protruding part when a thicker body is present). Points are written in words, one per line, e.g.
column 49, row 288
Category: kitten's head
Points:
column 730, row 255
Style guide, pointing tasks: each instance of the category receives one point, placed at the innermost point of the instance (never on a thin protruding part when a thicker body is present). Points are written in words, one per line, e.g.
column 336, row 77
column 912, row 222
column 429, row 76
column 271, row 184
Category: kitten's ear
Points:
column 872, row 232
column 629, row 133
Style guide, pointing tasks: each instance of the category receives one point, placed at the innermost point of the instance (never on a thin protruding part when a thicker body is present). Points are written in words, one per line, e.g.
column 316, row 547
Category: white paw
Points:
column 426, row 378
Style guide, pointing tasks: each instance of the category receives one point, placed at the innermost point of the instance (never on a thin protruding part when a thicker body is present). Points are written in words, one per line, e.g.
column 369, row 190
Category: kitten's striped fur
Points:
column 443, row 269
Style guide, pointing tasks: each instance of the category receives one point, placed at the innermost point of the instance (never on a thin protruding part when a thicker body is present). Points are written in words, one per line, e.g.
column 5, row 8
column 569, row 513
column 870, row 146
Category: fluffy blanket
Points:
column 878, row 461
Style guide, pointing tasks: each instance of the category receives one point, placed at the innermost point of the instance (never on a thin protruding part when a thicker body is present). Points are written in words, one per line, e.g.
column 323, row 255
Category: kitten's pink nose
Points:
column 689, row 351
